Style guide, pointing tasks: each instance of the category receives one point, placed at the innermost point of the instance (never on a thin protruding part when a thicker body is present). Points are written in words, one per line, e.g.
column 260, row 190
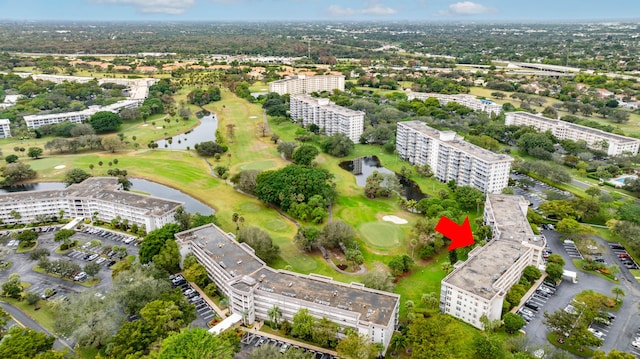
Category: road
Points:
column 25, row 321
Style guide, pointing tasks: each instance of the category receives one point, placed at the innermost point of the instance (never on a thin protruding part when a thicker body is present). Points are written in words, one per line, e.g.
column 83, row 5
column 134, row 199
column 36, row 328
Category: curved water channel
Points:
column 205, row 131
column 191, row 204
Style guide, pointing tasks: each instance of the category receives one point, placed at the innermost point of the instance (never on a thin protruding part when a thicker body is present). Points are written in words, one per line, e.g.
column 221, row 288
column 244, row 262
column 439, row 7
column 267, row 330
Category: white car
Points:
column 636, row 344
column 597, row 333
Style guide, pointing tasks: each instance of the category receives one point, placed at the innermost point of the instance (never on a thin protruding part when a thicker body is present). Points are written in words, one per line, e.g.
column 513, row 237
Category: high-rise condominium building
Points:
column 478, row 286
column 451, row 158
column 302, row 84
column 330, row 117
column 610, row 143
column 5, row 128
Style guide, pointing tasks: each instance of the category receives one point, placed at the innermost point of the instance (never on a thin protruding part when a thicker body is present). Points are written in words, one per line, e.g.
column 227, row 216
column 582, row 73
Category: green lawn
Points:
column 44, row 315
column 381, row 235
column 585, row 353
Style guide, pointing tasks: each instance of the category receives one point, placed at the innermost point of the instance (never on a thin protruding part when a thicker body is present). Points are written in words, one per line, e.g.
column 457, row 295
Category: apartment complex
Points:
column 596, row 139
column 451, row 158
column 101, row 197
column 253, row 288
column 302, row 84
column 5, row 128
column 469, row 101
column 478, row 286
column 35, row 121
column 330, row 117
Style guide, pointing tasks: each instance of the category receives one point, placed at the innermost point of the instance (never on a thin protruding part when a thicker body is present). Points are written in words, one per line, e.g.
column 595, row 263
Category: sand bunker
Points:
column 159, row 127
column 59, row 167
column 253, row 116
column 145, row 125
column 394, row 219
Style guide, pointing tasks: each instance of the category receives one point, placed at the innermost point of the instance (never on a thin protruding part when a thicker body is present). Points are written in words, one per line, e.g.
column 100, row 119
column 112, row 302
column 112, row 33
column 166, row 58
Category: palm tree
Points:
column 275, row 315
column 398, row 342
column 430, row 300
column 618, row 292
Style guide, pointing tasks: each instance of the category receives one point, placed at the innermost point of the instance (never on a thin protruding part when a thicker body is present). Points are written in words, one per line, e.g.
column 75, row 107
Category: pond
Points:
column 206, row 131
column 363, row 167
column 191, row 204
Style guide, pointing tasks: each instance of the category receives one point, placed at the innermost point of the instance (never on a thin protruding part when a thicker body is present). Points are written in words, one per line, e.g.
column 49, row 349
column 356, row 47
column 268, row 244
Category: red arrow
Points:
column 460, row 236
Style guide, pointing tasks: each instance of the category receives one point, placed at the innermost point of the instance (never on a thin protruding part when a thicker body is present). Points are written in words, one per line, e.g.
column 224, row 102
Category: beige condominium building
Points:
column 478, row 286
column 253, row 288
column 469, row 101
column 451, row 158
column 302, row 84
column 330, row 117
column 596, row 139
column 102, row 197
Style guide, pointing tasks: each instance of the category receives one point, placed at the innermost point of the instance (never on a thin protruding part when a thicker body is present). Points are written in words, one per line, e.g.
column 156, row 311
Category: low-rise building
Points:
column 600, row 140
column 302, row 84
column 478, row 286
column 451, row 158
column 5, row 128
column 253, row 288
column 328, row 116
column 35, row 121
column 469, row 101
column 96, row 197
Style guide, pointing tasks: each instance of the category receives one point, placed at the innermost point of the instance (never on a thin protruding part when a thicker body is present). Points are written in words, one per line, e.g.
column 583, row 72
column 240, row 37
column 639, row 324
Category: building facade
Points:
column 302, row 84
column 5, row 128
column 451, row 158
column 610, row 143
column 99, row 197
column 478, row 286
column 469, row 101
column 253, row 288
column 35, row 121
column 330, row 117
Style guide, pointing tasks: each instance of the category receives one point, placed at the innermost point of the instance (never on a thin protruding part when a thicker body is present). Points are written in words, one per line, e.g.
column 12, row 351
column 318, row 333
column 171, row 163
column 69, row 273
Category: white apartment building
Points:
column 102, row 197
column 5, row 128
column 253, row 288
column 330, row 117
column 451, row 158
column 302, row 84
column 35, row 121
column 478, row 286
column 469, row 101
column 596, row 139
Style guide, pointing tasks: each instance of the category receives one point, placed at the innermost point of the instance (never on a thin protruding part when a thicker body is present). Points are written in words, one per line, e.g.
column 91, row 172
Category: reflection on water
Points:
column 363, row 167
column 191, row 204
column 206, row 131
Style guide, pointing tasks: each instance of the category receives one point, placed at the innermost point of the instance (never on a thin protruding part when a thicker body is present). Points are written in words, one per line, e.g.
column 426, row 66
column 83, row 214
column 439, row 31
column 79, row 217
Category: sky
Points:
column 320, row 10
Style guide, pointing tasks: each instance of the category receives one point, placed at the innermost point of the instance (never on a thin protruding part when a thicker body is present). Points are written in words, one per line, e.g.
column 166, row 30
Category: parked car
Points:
column 285, row 347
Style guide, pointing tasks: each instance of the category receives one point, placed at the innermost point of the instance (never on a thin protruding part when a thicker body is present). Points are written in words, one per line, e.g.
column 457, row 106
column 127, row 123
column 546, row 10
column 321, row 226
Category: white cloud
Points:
column 469, row 8
column 172, row 7
column 370, row 8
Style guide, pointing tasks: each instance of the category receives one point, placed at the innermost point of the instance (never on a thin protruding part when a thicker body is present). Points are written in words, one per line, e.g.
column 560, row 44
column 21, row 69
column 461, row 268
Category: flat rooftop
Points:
column 457, row 143
column 233, row 257
column 507, row 211
column 560, row 123
column 479, row 272
column 332, row 107
column 239, row 261
column 100, row 188
column 374, row 306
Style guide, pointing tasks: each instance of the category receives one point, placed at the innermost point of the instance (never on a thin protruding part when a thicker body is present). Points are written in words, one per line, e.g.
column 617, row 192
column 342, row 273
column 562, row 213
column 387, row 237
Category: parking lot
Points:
column 535, row 194
column 623, row 257
column 533, row 306
column 621, row 332
column 251, row 341
column 204, row 312
column 100, row 252
column 571, row 249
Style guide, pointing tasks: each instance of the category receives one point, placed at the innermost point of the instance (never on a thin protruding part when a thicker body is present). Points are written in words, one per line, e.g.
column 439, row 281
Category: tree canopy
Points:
column 105, row 121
